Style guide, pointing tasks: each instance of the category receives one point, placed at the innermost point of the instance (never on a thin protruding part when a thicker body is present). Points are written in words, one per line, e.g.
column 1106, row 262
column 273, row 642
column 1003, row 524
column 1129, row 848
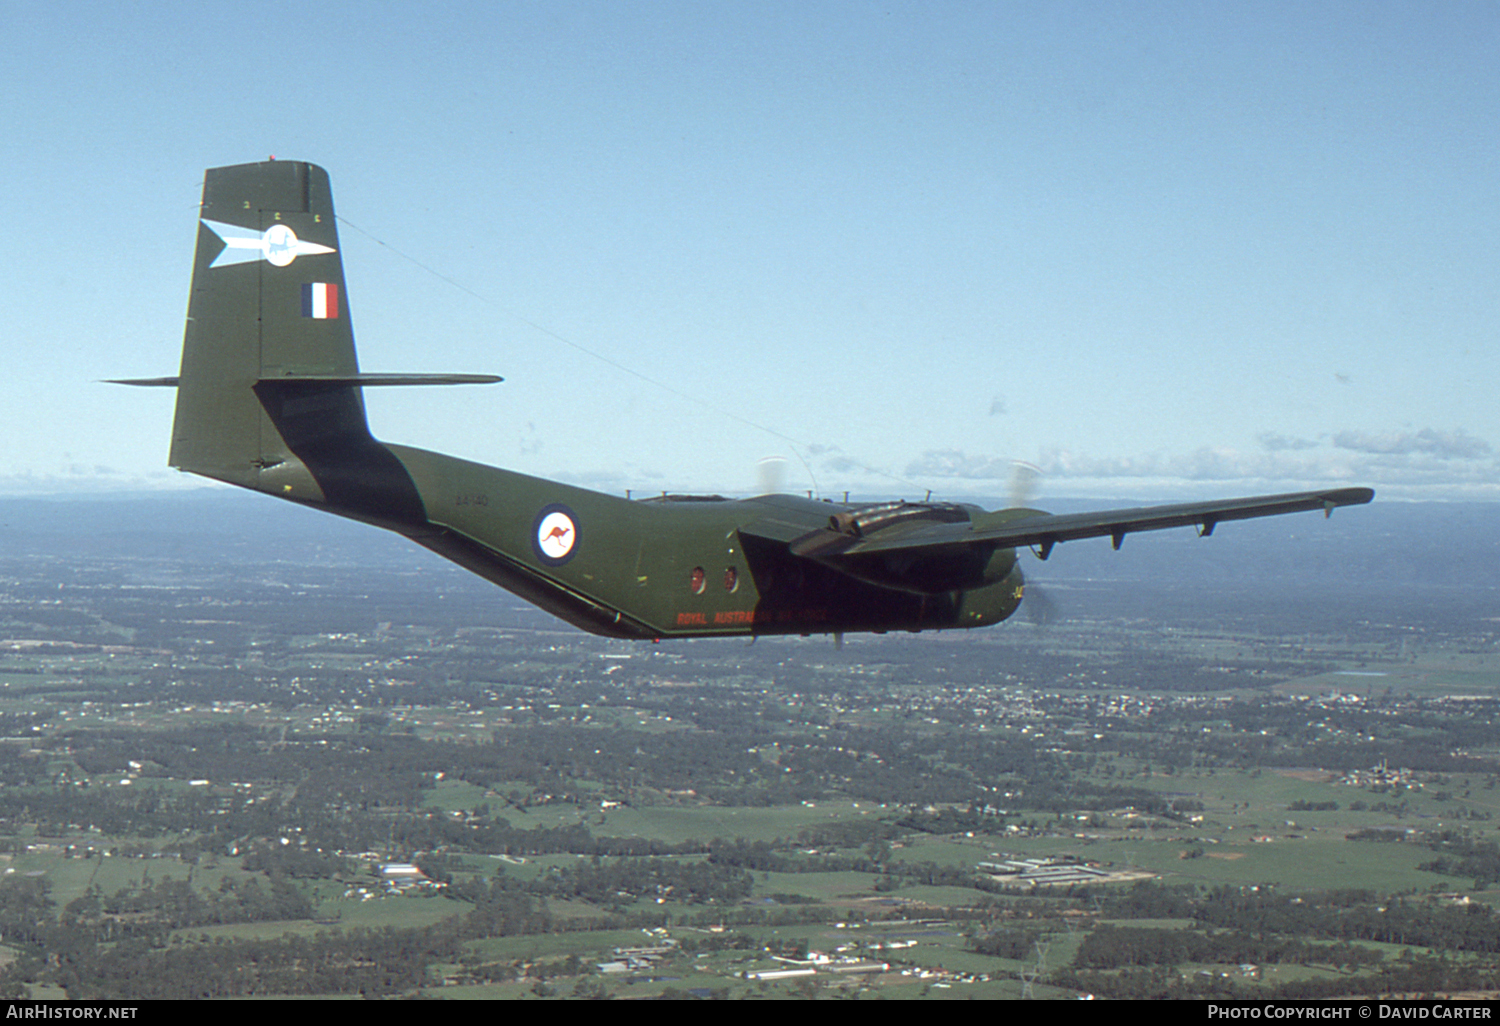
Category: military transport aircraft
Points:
column 270, row 397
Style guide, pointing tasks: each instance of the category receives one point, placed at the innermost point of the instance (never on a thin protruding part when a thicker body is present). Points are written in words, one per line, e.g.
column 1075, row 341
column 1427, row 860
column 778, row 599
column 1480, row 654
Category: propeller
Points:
column 1040, row 608
column 1025, row 482
column 770, row 475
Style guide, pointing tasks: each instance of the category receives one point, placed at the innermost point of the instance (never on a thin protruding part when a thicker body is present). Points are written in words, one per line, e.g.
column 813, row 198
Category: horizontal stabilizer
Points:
column 340, row 379
column 390, row 379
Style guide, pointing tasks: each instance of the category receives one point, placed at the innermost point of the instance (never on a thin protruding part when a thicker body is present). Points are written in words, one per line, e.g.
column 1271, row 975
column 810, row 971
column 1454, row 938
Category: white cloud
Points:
column 1276, row 443
column 1455, row 445
column 79, row 479
column 1426, row 461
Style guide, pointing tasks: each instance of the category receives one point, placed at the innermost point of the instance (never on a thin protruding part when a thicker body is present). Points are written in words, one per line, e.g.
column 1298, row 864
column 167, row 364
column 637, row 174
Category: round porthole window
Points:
column 697, row 580
column 731, row 579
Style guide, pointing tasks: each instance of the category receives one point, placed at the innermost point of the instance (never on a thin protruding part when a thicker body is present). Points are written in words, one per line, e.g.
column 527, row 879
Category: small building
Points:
column 780, row 974
column 403, row 875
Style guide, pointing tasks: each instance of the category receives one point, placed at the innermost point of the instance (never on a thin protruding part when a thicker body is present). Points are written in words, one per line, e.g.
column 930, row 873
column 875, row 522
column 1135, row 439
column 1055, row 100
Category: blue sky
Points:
column 1157, row 250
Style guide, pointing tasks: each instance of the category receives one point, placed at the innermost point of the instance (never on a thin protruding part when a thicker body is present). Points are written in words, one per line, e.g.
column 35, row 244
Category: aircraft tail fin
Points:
column 270, row 395
column 267, row 302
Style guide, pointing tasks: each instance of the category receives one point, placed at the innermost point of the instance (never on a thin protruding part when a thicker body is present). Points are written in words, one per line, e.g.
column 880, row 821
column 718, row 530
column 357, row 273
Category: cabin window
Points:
column 697, row 580
column 731, row 579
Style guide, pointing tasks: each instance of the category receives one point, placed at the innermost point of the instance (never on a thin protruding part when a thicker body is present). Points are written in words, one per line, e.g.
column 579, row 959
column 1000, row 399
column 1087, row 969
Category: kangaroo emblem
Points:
column 556, row 535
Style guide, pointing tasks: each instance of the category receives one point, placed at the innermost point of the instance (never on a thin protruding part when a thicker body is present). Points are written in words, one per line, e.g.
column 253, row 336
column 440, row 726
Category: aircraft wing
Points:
column 1014, row 528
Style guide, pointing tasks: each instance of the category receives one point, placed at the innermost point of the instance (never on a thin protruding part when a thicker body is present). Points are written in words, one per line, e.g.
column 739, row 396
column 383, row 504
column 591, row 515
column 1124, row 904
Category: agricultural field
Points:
column 337, row 779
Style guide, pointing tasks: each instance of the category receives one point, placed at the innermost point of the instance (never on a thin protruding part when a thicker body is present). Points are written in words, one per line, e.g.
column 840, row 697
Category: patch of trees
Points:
column 176, row 904
column 1017, row 943
column 1464, row 855
column 1113, row 947
column 621, row 881
column 1340, row 915
column 372, row 963
column 26, row 906
column 1427, row 976
column 277, row 860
